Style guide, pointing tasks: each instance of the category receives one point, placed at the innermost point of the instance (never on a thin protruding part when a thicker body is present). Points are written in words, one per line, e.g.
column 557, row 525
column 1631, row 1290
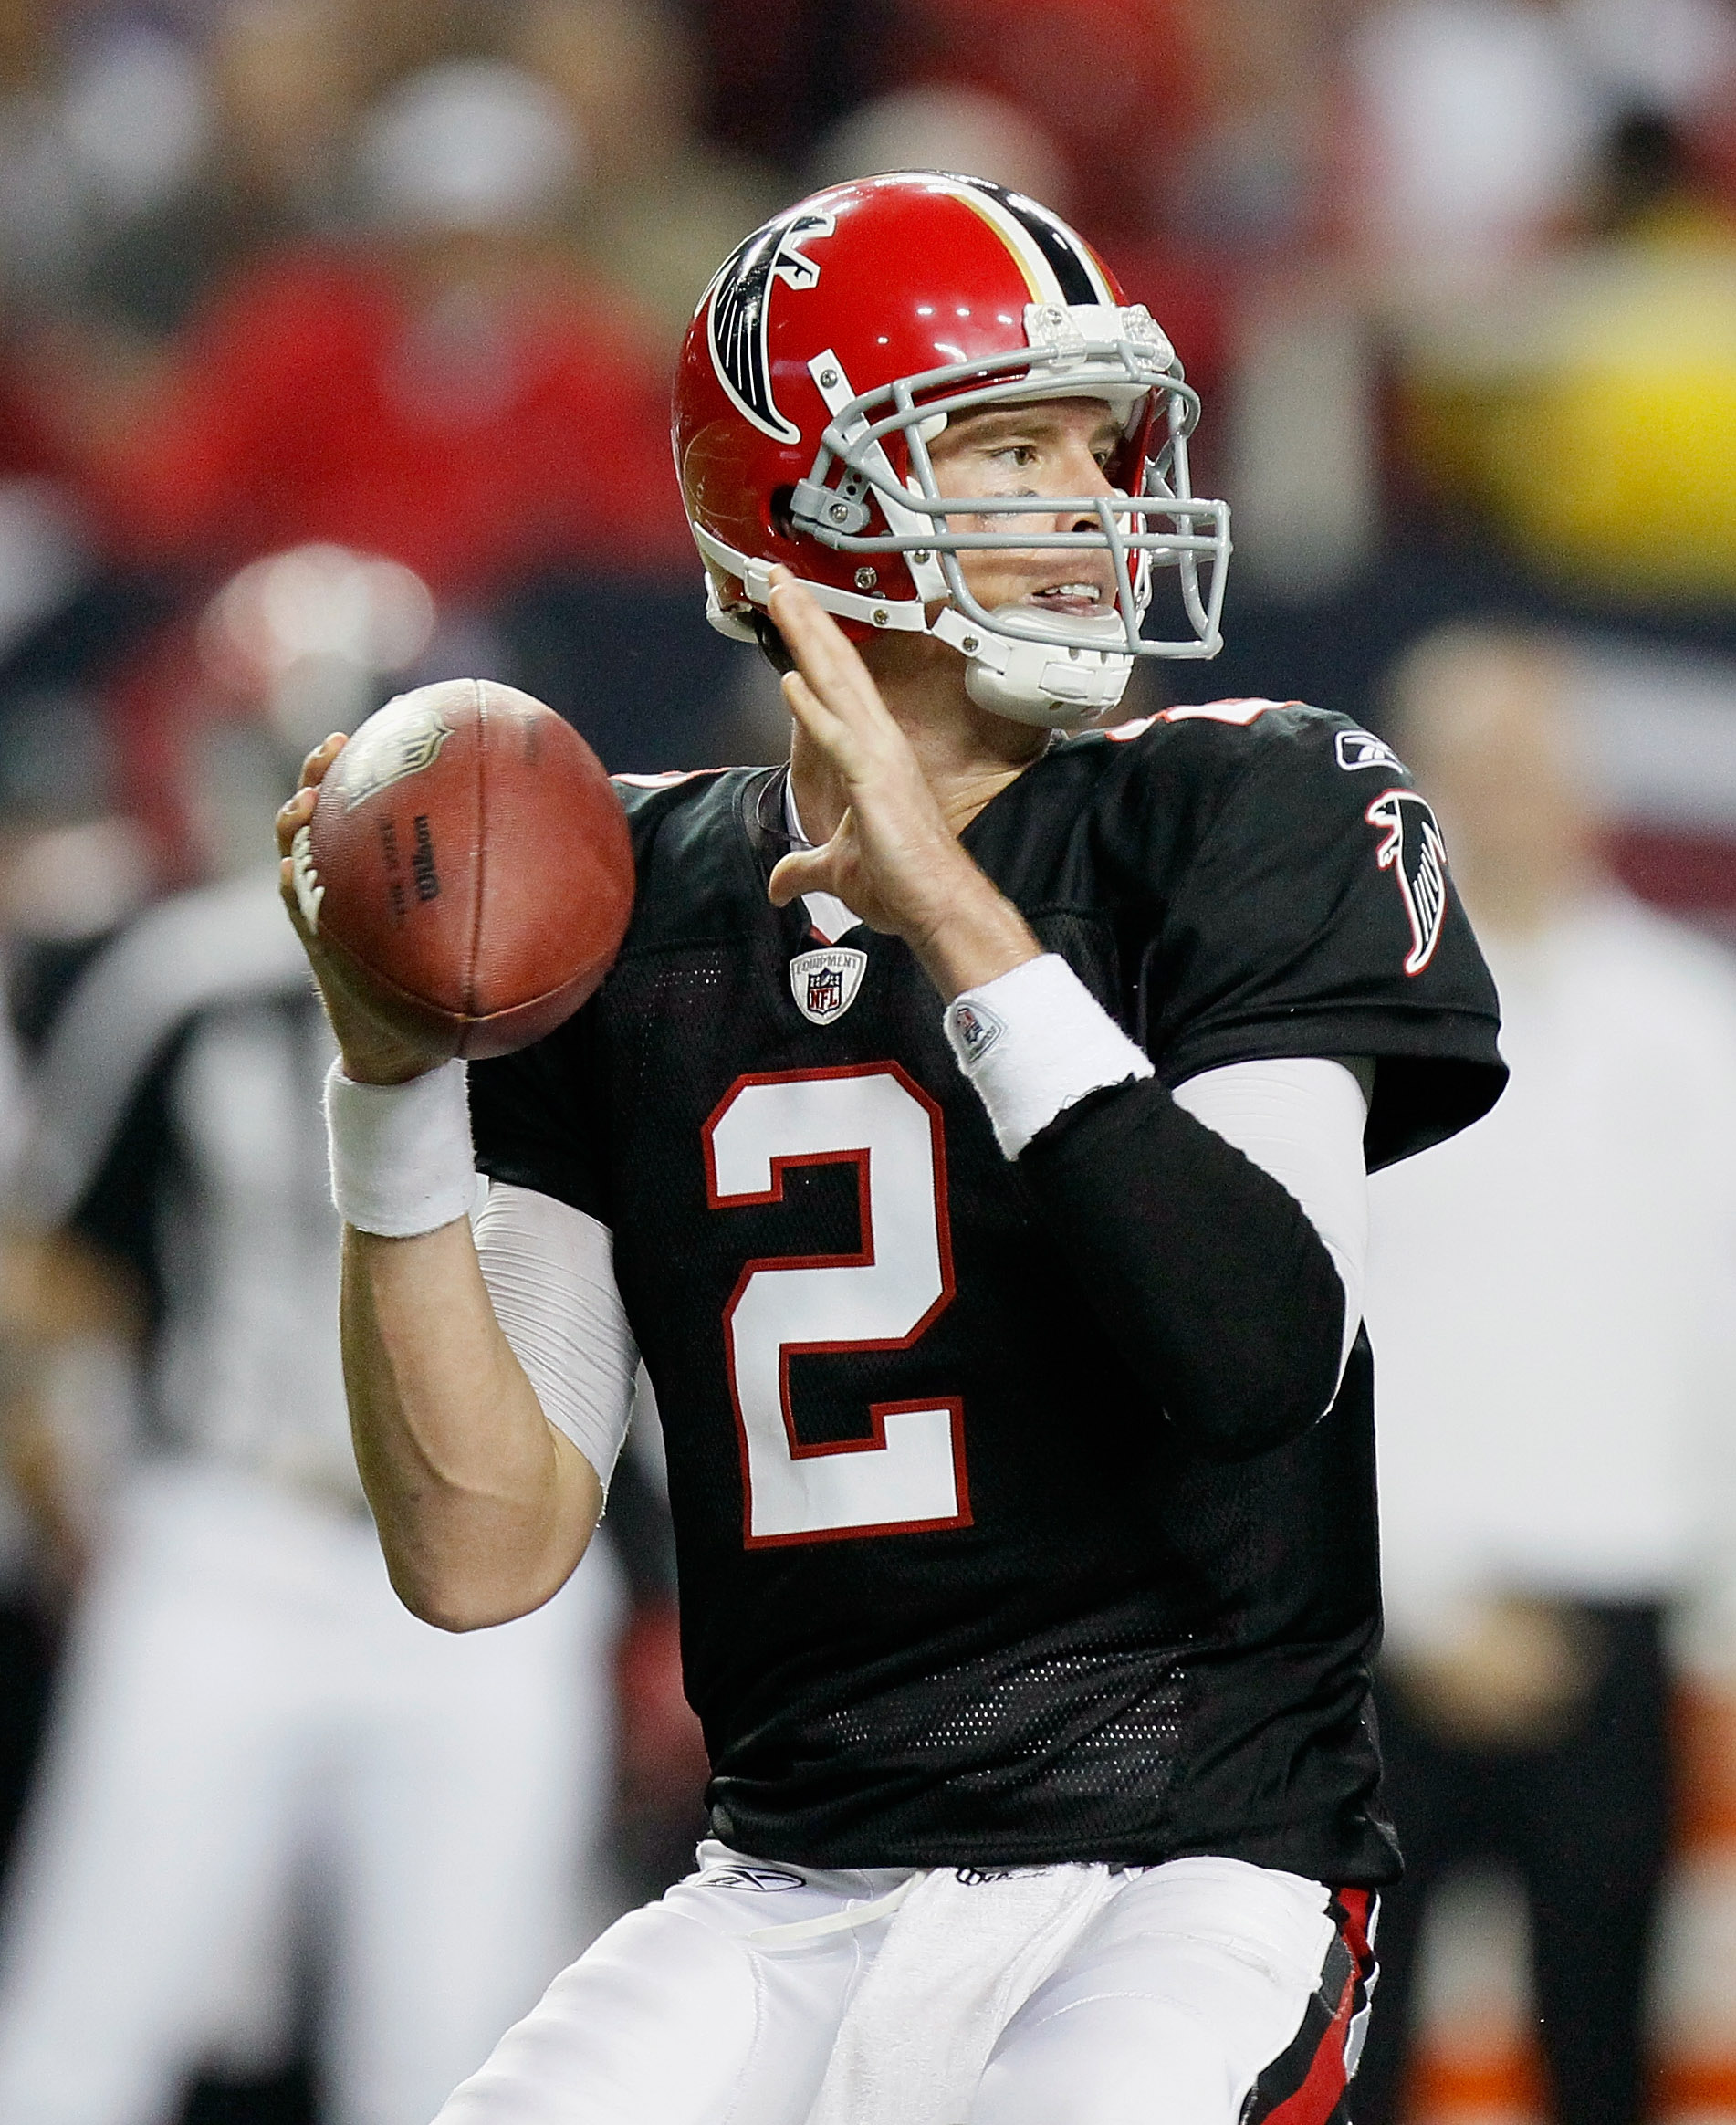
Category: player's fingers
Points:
column 809, row 870
column 294, row 815
column 292, row 906
column 839, row 676
column 824, row 654
column 856, row 753
column 865, row 752
column 814, row 713
column 791, row 877
column 298, row 886
column 314, row 768
column 298, row 809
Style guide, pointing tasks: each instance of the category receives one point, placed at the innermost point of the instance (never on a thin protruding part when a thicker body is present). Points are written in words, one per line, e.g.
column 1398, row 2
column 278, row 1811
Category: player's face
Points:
column 1054, row 446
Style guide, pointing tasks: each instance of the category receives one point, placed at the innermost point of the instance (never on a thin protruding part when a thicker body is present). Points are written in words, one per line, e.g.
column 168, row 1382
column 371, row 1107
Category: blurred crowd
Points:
column 405, row 281
column 335, row 338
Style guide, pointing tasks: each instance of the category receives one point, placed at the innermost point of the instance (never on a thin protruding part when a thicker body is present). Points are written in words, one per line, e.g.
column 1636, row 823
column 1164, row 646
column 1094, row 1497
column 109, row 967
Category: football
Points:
column 468, row 861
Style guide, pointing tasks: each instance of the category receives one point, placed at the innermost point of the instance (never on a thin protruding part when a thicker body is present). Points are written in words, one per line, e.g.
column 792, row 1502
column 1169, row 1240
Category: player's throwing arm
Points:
column 484, row 1507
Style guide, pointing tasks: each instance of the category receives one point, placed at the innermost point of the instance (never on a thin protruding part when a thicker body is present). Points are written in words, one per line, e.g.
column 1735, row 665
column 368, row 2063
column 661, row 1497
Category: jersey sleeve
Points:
column 1318, row 917
column 537, row 1118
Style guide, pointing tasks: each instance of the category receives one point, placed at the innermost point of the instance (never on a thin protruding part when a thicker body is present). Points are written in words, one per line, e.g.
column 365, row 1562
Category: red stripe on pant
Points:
column 1323, row 2084
column 1356, row 1905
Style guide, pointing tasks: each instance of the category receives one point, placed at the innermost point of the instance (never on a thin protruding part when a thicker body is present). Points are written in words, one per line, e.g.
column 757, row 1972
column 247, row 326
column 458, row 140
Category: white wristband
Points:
column 402, row 1161
column 1035, row 1041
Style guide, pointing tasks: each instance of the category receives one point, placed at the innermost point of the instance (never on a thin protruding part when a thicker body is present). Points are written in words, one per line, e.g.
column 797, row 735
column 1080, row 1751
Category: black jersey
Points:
column 953, row 1590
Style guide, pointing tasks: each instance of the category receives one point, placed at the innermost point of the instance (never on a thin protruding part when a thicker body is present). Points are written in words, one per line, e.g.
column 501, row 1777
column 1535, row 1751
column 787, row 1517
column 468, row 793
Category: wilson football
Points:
column 469, row 861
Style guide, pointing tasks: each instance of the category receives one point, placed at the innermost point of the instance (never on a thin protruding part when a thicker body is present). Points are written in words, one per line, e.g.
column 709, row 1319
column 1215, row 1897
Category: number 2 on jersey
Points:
column 908, row 1473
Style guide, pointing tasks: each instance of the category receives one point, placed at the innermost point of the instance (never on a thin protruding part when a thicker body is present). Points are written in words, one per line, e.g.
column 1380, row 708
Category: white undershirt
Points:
column 550, row 1272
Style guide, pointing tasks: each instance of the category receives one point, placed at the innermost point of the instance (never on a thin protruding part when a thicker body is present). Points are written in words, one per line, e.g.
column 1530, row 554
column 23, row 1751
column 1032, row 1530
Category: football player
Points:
column 972, row 1139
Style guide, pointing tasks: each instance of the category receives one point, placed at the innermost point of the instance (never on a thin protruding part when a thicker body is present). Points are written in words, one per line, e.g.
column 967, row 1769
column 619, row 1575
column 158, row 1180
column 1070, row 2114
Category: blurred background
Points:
column 335, row 338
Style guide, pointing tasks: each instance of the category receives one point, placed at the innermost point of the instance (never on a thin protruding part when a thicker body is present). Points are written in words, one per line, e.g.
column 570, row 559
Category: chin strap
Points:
column 1036, row 682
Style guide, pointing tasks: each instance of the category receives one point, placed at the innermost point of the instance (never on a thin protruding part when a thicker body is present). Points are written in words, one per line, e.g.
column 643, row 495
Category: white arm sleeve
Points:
column 1300, row 1118
column 551, row 1273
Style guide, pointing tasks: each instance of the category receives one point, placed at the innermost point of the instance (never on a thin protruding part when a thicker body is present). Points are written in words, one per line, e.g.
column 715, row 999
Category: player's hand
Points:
column 373, row 1052
column 894, row 859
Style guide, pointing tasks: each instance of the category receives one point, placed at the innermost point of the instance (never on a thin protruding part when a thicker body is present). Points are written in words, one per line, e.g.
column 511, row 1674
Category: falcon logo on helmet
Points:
column 1413, row 851
column 738, row 309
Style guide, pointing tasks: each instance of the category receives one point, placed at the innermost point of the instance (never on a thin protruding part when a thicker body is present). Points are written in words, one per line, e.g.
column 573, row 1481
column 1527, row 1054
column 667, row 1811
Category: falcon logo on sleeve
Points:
column 1412, row 851
column 740, row 301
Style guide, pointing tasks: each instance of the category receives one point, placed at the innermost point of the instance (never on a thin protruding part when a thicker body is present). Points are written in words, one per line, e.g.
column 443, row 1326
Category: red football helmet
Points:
column 830, row 350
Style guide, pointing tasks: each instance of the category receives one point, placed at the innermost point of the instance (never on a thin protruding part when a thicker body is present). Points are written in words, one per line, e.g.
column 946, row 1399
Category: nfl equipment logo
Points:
column 825, row 984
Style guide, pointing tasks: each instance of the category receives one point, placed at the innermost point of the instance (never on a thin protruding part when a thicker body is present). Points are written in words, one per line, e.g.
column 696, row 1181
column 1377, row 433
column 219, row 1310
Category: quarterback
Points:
column 971, row 1141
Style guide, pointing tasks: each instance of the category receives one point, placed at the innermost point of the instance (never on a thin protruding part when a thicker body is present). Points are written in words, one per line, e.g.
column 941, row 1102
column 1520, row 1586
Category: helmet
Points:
column 828, row 353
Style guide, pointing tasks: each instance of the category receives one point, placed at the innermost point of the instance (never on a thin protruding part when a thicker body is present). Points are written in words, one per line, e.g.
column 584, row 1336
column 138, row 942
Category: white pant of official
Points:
column 1193, row 1987
column 252, row 1729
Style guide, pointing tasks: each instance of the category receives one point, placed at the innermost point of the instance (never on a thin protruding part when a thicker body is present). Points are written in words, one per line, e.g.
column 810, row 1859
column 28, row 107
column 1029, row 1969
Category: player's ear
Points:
column 772, row 644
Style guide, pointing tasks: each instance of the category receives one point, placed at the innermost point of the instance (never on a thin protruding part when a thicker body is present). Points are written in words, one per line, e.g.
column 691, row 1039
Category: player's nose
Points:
column 1082, row 475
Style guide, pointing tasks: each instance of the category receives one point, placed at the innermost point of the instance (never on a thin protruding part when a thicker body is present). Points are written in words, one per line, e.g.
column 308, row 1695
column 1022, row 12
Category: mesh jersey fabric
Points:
column 1111, row 1648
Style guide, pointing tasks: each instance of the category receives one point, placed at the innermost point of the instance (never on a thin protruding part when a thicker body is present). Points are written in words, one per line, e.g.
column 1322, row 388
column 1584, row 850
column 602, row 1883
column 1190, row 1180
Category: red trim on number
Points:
column 862, row 1258
column 749, row 1077
column 878, row 1412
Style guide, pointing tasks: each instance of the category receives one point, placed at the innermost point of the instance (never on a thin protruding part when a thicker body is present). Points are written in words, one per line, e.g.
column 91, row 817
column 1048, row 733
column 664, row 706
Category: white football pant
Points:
column 1195, row 1987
